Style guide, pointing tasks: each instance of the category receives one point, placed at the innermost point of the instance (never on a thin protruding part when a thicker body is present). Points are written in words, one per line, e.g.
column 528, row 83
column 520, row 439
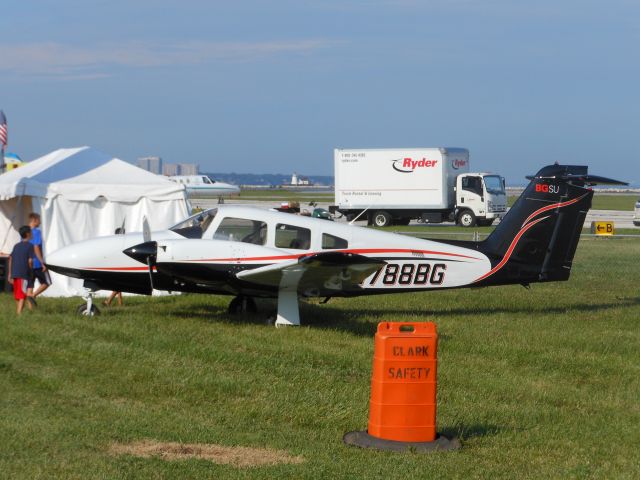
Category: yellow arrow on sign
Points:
column 602, row 228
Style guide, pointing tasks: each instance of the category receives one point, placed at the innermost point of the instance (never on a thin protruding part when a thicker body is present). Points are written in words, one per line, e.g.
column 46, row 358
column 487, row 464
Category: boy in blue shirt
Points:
column 39, row 270
column 20, row 264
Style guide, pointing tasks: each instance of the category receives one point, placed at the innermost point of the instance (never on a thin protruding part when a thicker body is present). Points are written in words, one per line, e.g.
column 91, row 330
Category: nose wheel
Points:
column 87, row 312
column 88, row 309
column 242, row 304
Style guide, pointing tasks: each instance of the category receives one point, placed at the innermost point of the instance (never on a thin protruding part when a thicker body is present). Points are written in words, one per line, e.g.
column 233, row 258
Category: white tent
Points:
column 82, row 193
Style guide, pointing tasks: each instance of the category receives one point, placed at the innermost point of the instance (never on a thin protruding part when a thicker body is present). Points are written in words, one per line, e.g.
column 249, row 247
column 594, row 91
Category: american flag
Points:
column 3, row 130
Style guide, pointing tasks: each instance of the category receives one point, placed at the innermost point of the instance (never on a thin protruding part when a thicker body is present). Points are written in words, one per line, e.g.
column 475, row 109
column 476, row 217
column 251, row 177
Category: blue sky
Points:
column 274, row 86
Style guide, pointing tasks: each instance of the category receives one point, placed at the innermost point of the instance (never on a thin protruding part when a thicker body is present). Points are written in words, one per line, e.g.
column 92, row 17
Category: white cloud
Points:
column 71, row 62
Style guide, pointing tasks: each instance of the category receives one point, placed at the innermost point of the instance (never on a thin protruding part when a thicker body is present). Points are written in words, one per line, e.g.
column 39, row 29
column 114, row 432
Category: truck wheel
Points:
column 466, row 218
column 382, row 219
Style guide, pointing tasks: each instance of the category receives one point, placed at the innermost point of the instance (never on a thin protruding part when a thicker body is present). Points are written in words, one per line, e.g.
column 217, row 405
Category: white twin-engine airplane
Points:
column 250, row 252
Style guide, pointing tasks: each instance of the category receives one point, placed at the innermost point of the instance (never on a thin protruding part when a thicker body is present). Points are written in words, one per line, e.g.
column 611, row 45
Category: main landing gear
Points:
column 242, row 304
column 288, row 310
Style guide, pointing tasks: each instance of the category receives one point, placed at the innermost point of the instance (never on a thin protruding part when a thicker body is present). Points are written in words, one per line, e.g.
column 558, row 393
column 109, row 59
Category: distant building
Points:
column 188, row 169
column 296, row 180
column 170, row 169
column 151, row 164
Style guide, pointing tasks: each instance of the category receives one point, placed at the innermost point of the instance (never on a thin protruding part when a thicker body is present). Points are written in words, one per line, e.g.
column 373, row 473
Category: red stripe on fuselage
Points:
column 356, row 251
column 124, row 269
column 293, row 257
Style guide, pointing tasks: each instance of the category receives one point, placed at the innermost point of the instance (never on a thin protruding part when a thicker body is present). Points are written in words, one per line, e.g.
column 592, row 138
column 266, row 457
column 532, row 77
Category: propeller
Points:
column 145, row 252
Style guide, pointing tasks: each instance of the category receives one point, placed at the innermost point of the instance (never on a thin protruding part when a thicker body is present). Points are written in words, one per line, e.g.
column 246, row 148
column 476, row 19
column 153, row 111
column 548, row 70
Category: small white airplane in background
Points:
column 203, row 186
column 249, row 252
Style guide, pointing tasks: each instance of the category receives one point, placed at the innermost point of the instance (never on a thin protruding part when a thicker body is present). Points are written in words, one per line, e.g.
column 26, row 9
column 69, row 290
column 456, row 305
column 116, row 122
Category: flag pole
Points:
column 3, row 141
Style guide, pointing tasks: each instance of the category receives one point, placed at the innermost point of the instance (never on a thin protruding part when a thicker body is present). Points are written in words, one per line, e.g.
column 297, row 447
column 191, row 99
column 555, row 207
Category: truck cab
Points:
column 480, row 199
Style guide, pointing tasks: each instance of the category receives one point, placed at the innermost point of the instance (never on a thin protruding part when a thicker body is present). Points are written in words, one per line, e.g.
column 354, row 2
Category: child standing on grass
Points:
column 39, row 270
column 20, row 265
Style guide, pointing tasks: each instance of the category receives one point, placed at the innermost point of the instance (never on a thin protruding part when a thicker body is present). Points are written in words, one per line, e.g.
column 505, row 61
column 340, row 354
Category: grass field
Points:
column 540, row 383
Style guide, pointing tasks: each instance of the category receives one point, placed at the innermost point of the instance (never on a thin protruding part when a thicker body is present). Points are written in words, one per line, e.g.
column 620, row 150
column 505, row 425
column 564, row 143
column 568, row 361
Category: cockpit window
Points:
column 206, row 180
column 242, row 230
column 196, row 225
column 289, row 236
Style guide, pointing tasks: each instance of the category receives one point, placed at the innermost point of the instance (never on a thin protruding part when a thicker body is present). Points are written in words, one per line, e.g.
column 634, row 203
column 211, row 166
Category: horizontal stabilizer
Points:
column 574, row 174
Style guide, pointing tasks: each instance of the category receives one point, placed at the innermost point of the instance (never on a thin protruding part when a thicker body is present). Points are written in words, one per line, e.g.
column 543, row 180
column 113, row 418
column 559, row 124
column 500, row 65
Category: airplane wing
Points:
column 321, row 274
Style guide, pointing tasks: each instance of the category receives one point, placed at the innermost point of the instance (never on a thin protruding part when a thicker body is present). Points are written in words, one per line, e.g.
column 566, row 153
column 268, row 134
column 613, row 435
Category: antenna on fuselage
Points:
column 360, row 214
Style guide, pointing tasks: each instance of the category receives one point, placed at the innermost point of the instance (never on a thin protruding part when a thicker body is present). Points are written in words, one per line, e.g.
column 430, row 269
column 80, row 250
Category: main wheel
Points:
column 82, row 310
column 382, row 218
column 466, row 218
column 242, row 304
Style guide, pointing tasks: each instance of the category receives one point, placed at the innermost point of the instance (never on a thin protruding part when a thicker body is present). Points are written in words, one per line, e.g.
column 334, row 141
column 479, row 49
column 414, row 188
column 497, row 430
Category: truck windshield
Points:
column 196, row 225
column 494, row 185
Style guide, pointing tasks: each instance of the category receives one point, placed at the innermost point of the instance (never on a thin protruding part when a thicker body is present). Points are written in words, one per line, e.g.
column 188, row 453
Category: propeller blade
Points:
column 150, row 265
column 146, row 231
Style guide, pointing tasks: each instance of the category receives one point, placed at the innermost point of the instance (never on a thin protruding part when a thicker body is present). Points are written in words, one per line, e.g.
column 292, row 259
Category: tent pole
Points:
column 15, row 212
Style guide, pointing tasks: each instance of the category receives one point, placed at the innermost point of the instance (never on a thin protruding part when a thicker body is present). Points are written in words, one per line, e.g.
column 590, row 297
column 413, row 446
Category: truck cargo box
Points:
column 398, row 178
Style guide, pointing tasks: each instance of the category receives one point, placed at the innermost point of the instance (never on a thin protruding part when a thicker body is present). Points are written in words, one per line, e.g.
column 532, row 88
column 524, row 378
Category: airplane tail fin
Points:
column 537, row 239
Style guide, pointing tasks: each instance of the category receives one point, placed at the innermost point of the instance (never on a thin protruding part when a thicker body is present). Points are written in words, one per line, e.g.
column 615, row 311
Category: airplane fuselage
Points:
column 210, row 264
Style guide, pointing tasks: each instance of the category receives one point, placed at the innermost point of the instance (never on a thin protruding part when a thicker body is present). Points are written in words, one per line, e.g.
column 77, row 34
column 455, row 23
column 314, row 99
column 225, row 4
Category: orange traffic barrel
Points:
column 402, row 407
column 403, row 384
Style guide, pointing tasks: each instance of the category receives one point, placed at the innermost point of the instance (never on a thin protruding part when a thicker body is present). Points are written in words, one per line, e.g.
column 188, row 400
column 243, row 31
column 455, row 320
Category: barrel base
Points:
column 364, row 440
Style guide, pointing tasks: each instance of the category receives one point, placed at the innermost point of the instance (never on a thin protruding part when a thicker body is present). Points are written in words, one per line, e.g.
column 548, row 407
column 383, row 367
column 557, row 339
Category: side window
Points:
column 332, row 242
column 288, row 236
column 242, row 230
column 472, row 184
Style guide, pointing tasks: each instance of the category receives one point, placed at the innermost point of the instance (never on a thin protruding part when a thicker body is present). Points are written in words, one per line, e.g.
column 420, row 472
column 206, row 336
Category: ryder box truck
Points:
column 387, row 186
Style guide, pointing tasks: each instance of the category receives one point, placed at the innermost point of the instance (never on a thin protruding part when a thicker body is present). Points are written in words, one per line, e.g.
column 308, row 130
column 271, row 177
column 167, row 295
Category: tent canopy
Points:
column 85, row 174
column 83, row 193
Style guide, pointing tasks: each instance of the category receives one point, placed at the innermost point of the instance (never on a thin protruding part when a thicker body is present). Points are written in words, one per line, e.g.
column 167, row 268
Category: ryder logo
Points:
column 409, row 165
column 457, row 163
